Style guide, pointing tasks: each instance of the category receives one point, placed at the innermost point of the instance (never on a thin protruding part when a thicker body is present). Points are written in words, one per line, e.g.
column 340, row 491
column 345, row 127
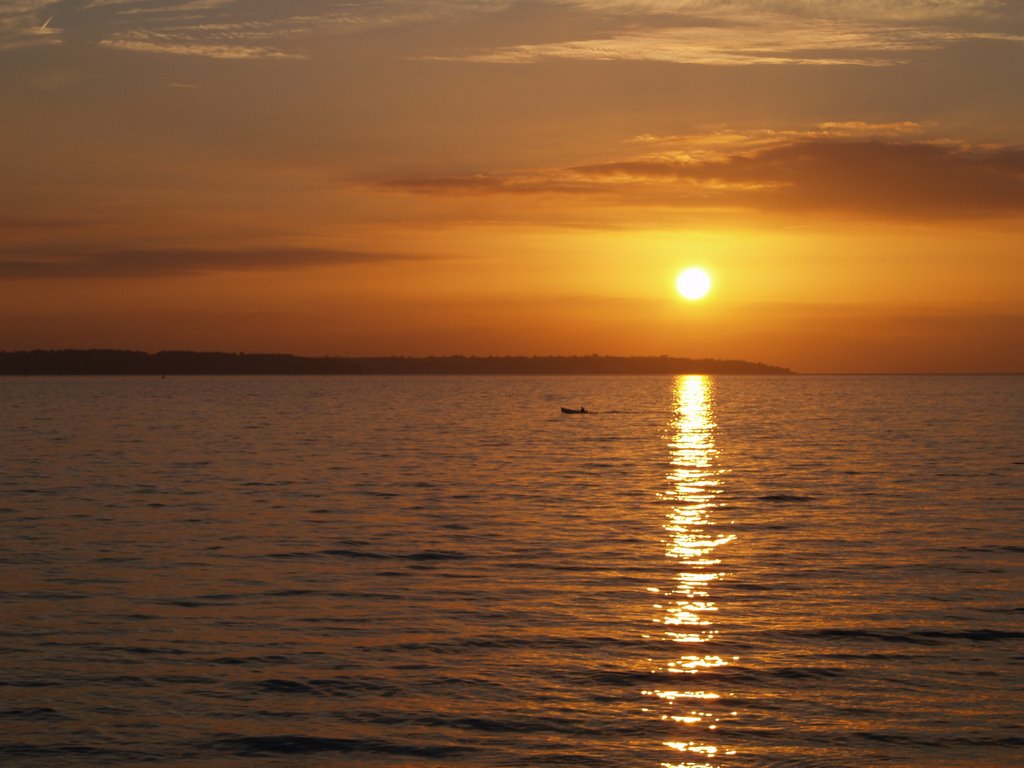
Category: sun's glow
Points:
column 693, row 283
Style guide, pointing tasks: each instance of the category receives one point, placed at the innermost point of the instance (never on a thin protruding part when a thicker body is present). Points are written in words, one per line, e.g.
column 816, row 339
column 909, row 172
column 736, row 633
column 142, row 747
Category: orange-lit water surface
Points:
column 709, row 572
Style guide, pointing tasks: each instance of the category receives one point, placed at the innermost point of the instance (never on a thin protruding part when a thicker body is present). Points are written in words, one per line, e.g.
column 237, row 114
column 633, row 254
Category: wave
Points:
column 914, row 637
column 341, row 686
column 66, row 751
column 240, row 660
column 459, row 645
column 424, row 555
column 523, row 724
column 32, row 713
column 302, row 745
column 983, row 548
column 940, row 741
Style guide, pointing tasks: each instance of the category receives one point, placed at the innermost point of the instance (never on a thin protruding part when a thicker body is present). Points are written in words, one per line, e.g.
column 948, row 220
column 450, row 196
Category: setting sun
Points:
column 693, row 283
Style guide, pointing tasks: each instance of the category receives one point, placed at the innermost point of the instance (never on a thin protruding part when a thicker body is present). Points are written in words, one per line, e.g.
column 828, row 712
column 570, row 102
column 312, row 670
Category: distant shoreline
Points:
column 115, row 362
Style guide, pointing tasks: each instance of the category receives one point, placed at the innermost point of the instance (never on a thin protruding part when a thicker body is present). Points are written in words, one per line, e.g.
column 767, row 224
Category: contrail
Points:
column 46, row 24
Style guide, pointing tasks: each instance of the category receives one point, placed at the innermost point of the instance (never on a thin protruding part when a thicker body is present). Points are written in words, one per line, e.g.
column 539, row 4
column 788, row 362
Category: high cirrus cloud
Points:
column 217, row 29
column 711, row 32
column 25, row 23
column 896, row 10
column 755, row 39
column 759, row 32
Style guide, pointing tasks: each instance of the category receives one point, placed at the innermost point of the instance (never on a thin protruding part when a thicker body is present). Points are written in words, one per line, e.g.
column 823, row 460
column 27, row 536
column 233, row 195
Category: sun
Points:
column 693, row 283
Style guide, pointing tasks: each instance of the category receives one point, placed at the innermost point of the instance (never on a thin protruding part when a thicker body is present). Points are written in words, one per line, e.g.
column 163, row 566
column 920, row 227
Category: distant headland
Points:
column 116, row 362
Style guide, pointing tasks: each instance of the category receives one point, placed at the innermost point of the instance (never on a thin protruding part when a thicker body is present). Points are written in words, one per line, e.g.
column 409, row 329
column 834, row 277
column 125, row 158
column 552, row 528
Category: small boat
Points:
column 581, row 409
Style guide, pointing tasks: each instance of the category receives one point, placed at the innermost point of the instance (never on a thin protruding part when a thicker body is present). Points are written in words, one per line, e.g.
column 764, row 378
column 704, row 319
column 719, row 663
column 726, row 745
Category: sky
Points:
column 434, row 177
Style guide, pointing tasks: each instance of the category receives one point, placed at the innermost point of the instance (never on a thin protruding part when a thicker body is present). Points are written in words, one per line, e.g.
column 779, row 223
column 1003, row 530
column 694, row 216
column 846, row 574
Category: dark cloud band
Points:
column 876, row 177
column 55, row 264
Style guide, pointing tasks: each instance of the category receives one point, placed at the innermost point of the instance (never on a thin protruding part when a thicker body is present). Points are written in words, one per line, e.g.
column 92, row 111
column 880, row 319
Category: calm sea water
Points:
column 406, row 571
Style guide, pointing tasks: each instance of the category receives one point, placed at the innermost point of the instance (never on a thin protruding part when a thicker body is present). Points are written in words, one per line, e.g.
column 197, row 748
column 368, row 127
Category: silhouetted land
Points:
column 79, row 362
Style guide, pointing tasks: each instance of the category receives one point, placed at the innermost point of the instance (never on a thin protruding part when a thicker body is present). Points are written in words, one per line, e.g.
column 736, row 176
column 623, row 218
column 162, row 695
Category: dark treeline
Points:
column 68, row 362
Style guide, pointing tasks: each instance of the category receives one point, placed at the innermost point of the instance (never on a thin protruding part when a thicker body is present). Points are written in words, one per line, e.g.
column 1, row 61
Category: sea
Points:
column 428, row 571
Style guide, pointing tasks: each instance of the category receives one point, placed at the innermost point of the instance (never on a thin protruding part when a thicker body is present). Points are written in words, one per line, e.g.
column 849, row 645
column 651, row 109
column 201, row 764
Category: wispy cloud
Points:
column 549, row 182
column 235, row 29
column 840, row 168
column 215, row 29
column 221, row 29
column 25, row 23
column 892, row 10
column 889, row 179
column 54, row 263
column 760, row 38
column 142, row 6
column 720, row 144
column 711, row 32
column 188, row 45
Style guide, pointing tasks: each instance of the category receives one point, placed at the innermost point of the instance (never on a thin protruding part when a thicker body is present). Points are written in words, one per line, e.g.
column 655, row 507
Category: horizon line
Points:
column 778, row 369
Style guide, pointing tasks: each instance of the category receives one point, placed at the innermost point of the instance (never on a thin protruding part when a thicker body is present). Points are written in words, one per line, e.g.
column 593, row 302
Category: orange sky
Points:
column 461, row 176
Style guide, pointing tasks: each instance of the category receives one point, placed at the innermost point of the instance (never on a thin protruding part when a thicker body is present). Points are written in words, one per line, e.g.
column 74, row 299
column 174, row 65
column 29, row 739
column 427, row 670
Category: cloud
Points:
column 155, row 42
column 238, row 29
column 918, row 180
column 837, row 168
column 757, row 38
column 715, row 32
column 141, row 6
column 720, row 144
column 54, row 264
column 220, row 29
column 539, row 183
column 201, row 28
column 25, row 23
column 892, row 10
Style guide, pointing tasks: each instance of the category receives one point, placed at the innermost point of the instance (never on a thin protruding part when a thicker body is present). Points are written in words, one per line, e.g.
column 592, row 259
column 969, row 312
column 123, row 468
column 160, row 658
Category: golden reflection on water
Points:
column 686, row 610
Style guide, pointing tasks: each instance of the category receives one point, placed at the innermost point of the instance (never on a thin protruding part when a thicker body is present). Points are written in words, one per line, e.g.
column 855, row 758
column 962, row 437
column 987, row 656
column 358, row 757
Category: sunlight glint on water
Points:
column 692, row 542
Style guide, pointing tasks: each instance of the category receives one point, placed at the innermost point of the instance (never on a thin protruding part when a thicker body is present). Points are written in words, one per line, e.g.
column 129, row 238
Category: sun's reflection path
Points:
column 686, row 609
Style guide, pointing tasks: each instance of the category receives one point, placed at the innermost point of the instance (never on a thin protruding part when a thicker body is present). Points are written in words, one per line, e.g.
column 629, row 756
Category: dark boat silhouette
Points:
column 581, row 409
